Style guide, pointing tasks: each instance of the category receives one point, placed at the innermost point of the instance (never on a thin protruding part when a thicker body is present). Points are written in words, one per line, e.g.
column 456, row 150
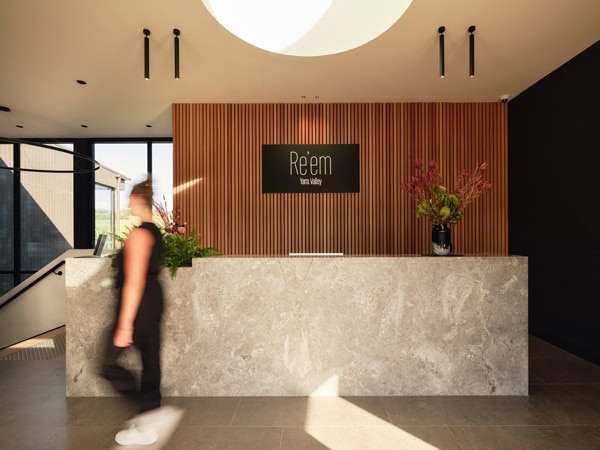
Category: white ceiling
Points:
column 45, row 46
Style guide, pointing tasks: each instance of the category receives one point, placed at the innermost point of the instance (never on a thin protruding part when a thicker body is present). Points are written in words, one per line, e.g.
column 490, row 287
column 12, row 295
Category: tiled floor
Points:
column 562, row 412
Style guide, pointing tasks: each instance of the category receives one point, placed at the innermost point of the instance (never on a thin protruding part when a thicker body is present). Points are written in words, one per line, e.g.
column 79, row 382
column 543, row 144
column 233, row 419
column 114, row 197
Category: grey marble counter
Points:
column 260, row 326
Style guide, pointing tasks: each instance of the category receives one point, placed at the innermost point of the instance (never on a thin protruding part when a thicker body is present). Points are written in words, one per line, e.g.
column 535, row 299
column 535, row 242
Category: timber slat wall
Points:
column 218, row 180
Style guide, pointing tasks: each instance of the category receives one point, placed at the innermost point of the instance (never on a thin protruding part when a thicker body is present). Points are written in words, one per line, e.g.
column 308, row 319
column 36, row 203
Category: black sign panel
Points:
column 310, row 168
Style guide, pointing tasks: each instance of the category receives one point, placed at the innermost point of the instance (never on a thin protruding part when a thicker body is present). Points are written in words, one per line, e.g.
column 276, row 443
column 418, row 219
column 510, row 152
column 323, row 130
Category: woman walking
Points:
column 138, row 320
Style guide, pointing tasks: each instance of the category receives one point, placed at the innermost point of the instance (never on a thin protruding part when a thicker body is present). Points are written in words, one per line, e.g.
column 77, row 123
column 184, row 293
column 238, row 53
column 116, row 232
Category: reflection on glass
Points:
column 46, row 206
column 104, row 217
column 6, row 209
column 6, row 219
column 130, row 160
column 6, row 283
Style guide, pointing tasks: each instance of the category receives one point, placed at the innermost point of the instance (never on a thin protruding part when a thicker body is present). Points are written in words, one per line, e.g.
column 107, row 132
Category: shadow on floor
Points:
column 562, row 411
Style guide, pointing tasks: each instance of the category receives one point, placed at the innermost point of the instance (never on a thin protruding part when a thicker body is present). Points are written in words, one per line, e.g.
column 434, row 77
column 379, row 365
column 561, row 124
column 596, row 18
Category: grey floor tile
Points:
column 55, row 438
column 564, row 370
column 345, row 411
column 205, row 411
column 562, row 411
column 527, row 437
column 364, row 438
column 225, row 438
column 405, row 411
column 15, row 394
column 298, row 438
column 568, row 404
column 99, row 411
column 271, row 412
column 32, row 373
column 40, row 405
column 508, row 411
column 441, row 437
column 534, row 380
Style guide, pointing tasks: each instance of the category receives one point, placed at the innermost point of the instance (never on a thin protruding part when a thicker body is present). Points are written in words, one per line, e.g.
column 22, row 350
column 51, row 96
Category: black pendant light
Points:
column 176, row 33
column 146, row 54
column 471, row 51
column 442, row 62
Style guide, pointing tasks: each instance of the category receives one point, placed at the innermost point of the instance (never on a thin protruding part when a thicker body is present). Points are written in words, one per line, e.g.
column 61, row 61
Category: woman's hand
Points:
column 123, row 337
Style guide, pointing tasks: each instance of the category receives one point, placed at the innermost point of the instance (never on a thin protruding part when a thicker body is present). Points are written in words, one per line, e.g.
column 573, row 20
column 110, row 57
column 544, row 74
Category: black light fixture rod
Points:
column 146, row 54
column 471, row 51
column 441, row 31
column 176, row 32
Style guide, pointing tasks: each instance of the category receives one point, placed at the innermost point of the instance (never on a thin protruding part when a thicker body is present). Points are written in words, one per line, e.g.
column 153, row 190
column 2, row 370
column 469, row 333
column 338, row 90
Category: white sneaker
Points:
column 137, row 436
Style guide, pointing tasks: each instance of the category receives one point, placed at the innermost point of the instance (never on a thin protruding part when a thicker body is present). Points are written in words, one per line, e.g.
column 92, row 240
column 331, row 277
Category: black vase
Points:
column 440, row 240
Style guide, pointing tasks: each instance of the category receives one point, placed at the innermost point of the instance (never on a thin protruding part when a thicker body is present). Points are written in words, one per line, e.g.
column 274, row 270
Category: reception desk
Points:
column 297, row 326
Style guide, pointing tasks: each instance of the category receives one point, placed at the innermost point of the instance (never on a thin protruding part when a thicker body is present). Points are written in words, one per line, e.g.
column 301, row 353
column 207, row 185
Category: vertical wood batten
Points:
column 218, row 176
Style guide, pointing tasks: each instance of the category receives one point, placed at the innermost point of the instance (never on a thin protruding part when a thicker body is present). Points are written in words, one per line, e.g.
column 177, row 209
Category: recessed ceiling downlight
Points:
column 307, row 27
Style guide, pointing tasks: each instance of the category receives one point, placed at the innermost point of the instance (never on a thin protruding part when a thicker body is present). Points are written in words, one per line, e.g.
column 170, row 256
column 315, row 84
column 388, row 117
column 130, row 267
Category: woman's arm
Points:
column 137, row 252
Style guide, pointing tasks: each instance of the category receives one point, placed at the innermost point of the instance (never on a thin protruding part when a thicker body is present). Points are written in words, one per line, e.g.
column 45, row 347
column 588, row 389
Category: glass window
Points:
column 104, row 217
column 162, row 172
column 6, row 219
column 6, row 283
column 6, row 211
column 46, row 205
column 129, row 159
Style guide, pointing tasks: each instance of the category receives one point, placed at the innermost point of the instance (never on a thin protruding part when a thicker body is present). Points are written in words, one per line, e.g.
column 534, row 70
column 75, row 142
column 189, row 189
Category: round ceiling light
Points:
column 307, row 27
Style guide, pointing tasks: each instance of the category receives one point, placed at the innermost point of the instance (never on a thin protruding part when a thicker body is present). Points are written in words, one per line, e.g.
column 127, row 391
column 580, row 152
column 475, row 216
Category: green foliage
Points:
column 433, row 199
column 441, row 207
column 208, row 251
column 180, row 248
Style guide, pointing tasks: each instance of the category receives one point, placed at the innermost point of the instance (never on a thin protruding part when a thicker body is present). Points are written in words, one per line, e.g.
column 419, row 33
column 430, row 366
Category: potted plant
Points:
column 180, row 246
column 442, row 207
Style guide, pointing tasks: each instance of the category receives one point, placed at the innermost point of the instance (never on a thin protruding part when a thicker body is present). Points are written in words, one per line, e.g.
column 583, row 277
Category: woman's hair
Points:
column 144, row 190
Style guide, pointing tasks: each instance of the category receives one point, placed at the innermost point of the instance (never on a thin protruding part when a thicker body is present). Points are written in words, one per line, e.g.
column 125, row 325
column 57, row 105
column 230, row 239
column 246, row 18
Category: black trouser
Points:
column 146, row 337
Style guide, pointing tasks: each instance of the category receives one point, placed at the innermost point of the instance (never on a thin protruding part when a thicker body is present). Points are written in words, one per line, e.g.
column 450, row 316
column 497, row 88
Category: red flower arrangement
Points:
column 432, row 197
column 171, row 224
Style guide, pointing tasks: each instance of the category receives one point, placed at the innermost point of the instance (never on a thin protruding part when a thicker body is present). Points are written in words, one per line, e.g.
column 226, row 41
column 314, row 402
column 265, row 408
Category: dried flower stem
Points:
column 170, row 224
column 435, row 202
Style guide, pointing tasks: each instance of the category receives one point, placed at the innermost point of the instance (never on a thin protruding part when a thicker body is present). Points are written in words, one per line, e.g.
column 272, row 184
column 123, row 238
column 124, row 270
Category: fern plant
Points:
column 179, row 248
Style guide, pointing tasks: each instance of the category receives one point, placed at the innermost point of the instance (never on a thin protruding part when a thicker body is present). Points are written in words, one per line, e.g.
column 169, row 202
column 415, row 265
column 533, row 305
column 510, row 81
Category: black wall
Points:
column 554, row 202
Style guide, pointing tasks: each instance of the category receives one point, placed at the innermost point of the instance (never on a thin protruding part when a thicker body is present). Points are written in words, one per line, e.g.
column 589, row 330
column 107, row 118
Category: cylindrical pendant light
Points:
column 471, row 51
column 176, row 32
column 442, row 63
column 146, row 54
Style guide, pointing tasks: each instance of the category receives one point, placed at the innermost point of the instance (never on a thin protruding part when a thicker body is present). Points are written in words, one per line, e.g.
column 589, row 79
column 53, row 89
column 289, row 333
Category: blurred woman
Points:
column 138, row 317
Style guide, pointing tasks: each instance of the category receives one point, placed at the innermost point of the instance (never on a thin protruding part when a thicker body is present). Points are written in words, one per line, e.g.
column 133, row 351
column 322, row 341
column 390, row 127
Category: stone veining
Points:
column 289, row 326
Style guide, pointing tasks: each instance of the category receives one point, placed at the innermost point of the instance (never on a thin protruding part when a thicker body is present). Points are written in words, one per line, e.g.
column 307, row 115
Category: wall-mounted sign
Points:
column 310, row 168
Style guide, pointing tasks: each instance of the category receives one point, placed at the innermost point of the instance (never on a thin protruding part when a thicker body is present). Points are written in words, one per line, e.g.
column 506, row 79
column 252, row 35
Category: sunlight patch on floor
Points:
column 46, row 346
column 328, row 418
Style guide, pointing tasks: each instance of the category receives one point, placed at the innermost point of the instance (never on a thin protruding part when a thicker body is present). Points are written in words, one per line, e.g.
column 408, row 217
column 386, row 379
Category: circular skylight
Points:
column 307, row 27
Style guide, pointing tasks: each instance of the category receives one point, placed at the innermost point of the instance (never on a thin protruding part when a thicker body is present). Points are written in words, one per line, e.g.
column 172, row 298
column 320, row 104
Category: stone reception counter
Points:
column 297, row 326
